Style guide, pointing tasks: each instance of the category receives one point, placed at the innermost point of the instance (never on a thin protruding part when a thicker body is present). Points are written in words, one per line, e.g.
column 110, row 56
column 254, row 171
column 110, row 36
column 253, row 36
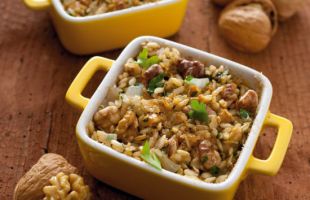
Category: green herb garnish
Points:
column 157, row 81
column 146, row 62
column 188, row 78
column 111, row 137
column 214, row 170
column 244, row 114
column 204, row 159
column 150, row 157
column 199, row 111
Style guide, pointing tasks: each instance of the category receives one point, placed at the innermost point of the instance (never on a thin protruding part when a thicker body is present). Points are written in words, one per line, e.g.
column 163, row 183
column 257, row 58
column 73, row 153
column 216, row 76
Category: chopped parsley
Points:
column 146, row 62
column 244, row 114
column 157, row 81
column 188, row 78
column 150, row 157
column 199, row 111
column 214, row 170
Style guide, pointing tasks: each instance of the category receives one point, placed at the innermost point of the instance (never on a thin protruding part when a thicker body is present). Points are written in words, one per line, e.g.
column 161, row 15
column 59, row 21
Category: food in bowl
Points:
column 98, row 33
column 80, row 8
column 110, row 166
column 177, row 113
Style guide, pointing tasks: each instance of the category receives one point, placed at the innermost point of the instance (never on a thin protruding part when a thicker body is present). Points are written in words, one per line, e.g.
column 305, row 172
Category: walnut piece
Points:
column 29, row 187
column 64, row 187
column 193, row 68
column 248, row 101
column 248, row 25
column 208, row 155
column 151, row 72
column 107, row 117
column 229, row 92
column 226, row 116
column 133, row 68
column 127, row 127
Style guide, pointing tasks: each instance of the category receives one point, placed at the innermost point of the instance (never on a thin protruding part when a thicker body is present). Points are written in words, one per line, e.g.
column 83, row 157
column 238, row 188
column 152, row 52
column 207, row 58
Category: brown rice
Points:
column 80, row 8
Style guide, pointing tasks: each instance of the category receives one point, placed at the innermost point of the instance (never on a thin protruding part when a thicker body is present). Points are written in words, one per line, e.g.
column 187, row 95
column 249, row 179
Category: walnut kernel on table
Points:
column 66, row 187
column 248, row 25
column 30, row 186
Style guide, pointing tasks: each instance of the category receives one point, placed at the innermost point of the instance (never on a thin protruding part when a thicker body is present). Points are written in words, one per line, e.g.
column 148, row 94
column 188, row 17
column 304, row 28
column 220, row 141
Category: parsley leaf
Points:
column 146, row 62
column 214, row 170
column 152, row 60
column 150, row 157
column 188, row 78
column 244, row 114
column 199, row 111
column 157, row 81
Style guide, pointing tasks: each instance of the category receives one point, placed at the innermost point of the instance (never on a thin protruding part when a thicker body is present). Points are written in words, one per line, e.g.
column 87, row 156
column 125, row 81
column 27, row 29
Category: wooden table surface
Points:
column 36, row 72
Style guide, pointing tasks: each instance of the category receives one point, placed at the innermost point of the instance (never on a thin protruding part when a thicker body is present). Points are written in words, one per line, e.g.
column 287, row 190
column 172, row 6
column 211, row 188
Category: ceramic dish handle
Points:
column 37, row 4
column 74, row 94
column 272, row 165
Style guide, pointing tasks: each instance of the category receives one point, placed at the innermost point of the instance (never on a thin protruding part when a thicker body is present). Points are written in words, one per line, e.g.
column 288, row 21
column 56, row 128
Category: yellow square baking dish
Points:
column 97, row 33
column 140, row 179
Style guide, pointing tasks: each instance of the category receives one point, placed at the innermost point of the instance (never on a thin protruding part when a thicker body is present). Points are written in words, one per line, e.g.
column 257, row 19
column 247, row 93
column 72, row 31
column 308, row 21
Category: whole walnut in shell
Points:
column 287, row 8
column 30, row 186
column 248, row 25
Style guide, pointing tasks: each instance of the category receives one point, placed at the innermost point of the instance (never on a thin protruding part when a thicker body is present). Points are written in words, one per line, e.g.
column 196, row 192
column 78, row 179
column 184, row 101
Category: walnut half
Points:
column 29, row 187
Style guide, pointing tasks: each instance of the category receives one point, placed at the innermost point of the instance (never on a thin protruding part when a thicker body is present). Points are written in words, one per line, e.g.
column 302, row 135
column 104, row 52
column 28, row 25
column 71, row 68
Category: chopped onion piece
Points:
column 200, row 82
column 134, row 90
column 166, row 163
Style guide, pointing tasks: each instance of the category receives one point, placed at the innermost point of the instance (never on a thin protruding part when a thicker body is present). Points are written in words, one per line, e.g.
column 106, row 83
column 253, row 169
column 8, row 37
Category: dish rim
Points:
column 240, row 166
column 60, row 9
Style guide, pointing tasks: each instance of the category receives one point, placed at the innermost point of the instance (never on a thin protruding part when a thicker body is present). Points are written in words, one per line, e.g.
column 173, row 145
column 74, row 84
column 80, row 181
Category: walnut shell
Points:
column 248, row 25
column 30, row 186
column 287, row 8
column 222, row 2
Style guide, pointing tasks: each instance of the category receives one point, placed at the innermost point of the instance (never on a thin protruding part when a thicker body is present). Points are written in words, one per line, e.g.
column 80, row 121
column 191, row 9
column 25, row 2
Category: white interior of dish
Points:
column 253, row 78
column 59, row 8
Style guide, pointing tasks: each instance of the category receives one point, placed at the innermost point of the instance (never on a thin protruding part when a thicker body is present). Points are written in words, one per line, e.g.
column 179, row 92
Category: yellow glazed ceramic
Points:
column 140, row 179
column 91, row 34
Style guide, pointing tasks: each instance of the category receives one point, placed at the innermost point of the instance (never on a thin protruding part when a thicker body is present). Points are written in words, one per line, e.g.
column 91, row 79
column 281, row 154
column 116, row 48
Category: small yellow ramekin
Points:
column 140, row 179
column 92, row 34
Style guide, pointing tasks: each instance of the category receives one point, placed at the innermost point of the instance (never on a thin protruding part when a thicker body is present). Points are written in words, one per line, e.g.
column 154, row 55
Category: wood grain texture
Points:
column 36, row 72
